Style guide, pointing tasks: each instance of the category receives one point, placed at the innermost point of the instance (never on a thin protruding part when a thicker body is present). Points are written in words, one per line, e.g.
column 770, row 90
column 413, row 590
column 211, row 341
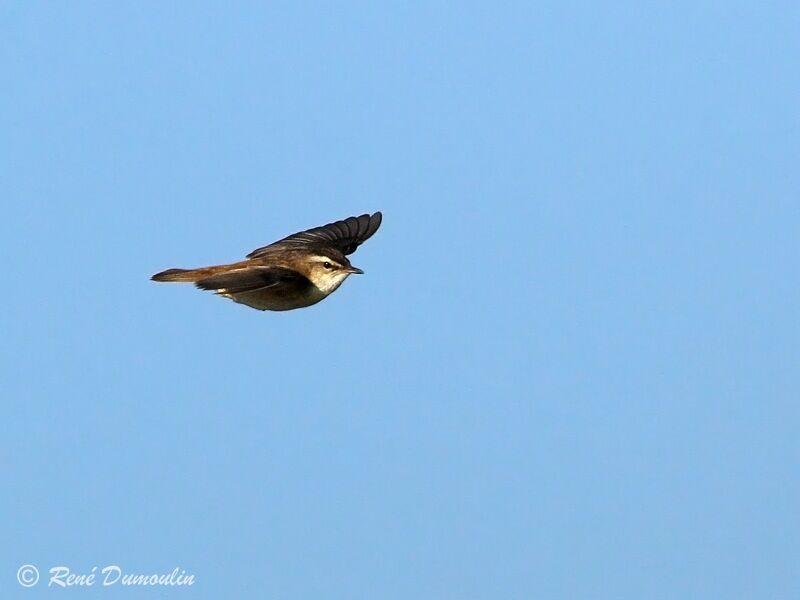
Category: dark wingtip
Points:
column 374, row 222
column 203, row 286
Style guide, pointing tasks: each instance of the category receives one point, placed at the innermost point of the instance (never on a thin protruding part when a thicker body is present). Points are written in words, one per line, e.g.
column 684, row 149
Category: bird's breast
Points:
column 279, row 300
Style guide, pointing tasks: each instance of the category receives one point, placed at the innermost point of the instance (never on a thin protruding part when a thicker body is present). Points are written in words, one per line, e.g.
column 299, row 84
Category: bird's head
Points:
column 327, row 270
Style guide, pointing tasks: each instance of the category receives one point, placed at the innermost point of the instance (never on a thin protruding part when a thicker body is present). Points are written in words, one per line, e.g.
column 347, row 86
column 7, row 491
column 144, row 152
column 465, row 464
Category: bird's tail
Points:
column 184, row 275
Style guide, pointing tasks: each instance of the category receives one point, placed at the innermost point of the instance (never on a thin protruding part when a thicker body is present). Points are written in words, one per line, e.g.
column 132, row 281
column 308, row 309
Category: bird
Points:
column 294, row 272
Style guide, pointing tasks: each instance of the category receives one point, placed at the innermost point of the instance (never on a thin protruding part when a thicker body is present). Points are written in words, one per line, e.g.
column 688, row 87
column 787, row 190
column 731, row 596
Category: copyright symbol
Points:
column 28, row 575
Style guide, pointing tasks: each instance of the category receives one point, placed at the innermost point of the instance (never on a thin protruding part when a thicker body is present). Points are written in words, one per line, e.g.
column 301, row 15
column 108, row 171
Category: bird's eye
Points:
column 327, row 265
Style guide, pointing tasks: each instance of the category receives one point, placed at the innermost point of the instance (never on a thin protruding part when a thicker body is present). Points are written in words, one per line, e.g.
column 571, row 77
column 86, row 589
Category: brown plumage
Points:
column 294, row 272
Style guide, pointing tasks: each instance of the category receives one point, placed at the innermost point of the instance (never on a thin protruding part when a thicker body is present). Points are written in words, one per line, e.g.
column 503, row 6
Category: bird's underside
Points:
column 261, row 286
column 295, row 272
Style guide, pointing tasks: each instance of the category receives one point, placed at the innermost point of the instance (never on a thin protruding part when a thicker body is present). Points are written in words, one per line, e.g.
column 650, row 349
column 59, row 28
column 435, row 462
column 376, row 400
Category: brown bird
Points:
column 295, row 272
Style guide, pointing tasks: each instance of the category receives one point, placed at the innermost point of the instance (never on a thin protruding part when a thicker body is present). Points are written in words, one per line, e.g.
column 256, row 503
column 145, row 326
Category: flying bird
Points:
column 295, row 272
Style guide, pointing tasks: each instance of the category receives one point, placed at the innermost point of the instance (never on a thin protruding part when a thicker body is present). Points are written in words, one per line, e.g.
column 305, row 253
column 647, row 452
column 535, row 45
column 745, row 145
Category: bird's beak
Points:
column 355, row 271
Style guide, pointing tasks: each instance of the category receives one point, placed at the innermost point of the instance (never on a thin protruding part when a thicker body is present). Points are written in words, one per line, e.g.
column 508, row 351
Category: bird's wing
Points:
column 345, row 236
column 250, row 279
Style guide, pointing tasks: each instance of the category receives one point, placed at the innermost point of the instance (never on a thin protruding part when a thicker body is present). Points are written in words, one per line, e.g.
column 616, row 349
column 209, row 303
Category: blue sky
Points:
column 570, row 370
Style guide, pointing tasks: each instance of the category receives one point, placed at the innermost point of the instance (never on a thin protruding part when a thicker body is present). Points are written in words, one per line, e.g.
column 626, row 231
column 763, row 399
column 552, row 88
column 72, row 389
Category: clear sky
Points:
column 570, row 371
